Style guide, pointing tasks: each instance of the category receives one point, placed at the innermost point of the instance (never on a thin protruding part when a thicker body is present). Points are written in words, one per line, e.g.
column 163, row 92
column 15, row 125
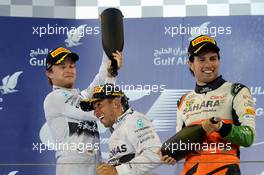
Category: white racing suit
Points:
column 74, row 131
column 233, row 103
column 134, row 144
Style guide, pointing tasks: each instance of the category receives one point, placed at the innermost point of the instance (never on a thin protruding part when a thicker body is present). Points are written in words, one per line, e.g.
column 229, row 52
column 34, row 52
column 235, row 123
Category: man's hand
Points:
column 166, row 159
column 105, row 169
column 119, row 59
column 209, row 127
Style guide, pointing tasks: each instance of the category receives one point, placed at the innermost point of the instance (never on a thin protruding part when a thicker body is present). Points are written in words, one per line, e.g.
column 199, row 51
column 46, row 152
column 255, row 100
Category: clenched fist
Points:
column 211, row 125
column 105, row 169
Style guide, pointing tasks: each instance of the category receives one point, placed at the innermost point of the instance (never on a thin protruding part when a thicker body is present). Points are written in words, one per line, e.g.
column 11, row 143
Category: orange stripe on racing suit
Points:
column 207, row 159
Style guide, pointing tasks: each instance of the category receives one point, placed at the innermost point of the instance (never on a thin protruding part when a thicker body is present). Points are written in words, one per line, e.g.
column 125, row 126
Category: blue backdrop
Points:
column 155, row 55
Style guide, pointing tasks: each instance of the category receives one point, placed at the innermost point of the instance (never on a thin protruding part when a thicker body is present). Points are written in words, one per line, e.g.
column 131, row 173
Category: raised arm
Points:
column 103, row 76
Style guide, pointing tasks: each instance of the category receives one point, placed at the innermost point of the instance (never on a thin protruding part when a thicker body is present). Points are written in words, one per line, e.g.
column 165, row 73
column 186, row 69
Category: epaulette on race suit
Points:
column 236, row 87
column 179, row 102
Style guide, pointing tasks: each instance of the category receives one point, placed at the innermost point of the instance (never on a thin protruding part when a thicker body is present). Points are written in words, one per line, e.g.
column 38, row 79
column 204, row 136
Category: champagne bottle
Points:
column 112, row 34
column 186, row 141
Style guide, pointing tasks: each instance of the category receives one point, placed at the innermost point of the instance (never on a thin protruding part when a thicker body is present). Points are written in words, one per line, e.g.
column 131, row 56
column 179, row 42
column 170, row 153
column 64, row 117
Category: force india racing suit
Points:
column 219, row 154
column 74, row 131
column 134, row 144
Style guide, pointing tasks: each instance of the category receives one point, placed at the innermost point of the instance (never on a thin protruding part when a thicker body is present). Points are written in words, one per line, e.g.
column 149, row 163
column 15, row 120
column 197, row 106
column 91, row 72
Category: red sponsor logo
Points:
column 217, row 97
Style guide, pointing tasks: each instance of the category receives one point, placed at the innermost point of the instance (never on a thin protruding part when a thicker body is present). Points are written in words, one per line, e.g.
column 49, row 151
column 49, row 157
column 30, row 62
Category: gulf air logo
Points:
column 12, row 173
column 74, row 36
column 9, row 83
column 201, row 30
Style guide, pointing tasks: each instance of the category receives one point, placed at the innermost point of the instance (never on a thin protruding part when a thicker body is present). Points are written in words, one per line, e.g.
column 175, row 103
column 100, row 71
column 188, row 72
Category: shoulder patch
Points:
column 236, row 87
column 139, row 123
column 66, row 95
